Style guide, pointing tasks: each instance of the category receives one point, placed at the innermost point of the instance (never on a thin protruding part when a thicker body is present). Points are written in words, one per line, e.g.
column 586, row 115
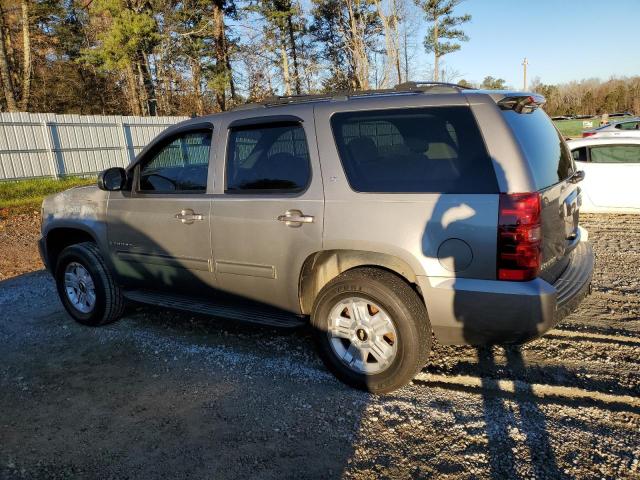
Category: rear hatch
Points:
column 552, row 169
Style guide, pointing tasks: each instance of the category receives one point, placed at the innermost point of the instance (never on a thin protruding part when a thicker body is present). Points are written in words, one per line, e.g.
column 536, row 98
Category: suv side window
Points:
column 419, row 150
column 615, row 154
column 179, row 165
column 268, row 158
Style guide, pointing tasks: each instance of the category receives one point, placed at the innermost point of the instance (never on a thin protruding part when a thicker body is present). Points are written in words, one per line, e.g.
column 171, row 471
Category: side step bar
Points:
column 246, row 311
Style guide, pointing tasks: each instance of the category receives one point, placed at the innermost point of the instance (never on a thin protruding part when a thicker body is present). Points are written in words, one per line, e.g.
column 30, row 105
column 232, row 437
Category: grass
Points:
column 23, row 196
column 573, row 128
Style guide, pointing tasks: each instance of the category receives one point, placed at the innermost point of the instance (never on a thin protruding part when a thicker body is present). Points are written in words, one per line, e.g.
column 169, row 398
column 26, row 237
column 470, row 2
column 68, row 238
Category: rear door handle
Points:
column 188, row 216
column 295, row 218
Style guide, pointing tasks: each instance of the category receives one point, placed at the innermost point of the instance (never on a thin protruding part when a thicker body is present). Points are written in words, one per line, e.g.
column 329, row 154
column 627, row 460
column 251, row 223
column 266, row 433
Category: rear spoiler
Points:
column 522, row 103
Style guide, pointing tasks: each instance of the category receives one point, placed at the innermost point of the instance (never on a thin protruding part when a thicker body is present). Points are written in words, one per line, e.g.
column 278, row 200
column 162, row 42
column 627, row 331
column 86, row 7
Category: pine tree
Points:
column 444, row 26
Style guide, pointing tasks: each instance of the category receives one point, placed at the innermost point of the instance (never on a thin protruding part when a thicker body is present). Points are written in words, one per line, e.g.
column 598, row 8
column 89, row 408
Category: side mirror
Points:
column 577, row 177
column 112, row 179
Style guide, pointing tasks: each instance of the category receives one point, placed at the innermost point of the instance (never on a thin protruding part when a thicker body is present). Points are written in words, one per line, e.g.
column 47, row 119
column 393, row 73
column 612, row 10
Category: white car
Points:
column 612, row 173
column 624, row 128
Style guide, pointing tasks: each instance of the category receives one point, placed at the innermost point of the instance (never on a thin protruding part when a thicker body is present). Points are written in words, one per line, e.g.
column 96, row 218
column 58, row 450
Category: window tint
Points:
column 628, row 126
column 580, row 154
column 179, row 166
column 435, row 149
column 543, row 146
column 268, row 158
column 616, row 154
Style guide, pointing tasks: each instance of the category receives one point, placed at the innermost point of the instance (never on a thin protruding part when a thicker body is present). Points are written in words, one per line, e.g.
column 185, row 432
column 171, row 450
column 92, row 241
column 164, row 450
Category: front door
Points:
column 159, row 230
column 268, row 218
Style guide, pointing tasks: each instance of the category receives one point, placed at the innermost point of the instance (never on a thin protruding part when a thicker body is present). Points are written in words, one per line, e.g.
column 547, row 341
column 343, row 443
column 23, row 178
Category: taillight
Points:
column 587, row 134
column 519, row 236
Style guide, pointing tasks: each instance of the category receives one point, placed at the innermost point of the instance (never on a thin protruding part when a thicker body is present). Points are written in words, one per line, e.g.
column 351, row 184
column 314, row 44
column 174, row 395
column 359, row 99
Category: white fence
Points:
column 49, row 145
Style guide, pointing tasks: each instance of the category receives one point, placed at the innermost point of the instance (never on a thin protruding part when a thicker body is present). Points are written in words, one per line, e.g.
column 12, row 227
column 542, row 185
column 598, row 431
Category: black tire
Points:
column 109, row 303
column 407, row 312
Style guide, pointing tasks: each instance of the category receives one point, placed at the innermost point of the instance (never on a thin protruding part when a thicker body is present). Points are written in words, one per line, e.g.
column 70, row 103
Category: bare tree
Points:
column 26, row 51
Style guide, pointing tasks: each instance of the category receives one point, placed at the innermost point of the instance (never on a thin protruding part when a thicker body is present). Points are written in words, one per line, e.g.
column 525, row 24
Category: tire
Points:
column 108, row 303
column 408, row 337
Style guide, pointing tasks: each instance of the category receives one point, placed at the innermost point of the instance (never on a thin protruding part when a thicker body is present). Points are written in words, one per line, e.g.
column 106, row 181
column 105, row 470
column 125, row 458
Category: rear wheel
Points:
column 371, row 329
column 86, row 288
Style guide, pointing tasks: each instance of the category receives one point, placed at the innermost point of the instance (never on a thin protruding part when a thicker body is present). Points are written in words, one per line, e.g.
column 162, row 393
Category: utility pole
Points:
column 524, row 66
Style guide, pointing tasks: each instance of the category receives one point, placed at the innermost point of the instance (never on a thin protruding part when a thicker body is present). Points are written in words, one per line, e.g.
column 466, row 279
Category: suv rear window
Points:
column 417, row 150
column 548, row 155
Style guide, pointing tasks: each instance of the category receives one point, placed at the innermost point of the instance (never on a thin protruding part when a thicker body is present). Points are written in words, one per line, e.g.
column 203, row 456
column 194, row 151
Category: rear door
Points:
column 551, row 166
column 613, row 175
column 268, row 216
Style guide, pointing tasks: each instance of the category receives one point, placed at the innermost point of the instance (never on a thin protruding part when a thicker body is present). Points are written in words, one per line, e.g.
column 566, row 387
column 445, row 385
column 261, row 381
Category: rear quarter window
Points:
column 418, row 150
column 615, row 154
column 547, row 153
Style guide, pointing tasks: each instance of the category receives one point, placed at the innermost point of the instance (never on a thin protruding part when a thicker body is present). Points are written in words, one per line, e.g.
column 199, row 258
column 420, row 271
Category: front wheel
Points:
column 371, row 329
column 86, row 288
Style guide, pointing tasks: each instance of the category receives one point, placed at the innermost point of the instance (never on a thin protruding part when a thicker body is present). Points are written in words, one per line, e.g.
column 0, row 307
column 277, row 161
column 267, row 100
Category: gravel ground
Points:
column 163, row 394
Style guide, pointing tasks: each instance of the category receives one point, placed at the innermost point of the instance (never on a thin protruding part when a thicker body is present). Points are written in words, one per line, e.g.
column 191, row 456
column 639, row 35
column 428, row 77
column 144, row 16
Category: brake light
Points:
column 522, row 103
column 519, row 236
column 587, row 134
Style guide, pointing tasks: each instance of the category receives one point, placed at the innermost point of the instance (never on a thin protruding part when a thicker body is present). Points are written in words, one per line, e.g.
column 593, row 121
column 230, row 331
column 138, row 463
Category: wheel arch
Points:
column 320, row 268
column 59, row 238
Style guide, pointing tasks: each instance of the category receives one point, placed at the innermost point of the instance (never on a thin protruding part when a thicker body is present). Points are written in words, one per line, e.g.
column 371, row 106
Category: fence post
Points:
column 125, row 140
column 50, row 149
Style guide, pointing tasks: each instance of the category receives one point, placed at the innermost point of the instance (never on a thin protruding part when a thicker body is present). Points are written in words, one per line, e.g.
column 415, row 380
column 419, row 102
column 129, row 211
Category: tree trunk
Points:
column 406, row 56
column 294, row 54
column 7, row 84
column 196, row 76
column 26, row 68
column 147, row 83
column 284, row 58
column 132, row 85
column 436, row 53
column 357, row 46
column 222, row 71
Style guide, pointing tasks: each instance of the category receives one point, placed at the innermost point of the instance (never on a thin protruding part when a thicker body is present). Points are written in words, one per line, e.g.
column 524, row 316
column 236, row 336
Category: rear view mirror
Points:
column 112, row 179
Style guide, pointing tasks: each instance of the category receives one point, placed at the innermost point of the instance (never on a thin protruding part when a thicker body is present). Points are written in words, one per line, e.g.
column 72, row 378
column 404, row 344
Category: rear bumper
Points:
column 486, row 312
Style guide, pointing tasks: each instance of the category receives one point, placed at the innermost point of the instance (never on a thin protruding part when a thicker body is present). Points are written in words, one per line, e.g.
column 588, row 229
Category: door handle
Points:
column 188, row 216
column 295, row 218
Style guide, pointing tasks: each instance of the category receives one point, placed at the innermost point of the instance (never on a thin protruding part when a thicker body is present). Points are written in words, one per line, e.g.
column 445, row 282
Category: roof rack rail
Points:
column 401, row 88
column 415, row 85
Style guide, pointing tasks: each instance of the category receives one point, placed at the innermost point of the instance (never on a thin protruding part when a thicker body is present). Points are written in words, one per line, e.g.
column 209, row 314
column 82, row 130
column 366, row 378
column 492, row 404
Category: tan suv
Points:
column 379, row 218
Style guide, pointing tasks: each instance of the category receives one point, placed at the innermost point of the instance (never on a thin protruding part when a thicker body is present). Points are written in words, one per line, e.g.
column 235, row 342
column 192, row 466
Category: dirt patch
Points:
column 19, row 245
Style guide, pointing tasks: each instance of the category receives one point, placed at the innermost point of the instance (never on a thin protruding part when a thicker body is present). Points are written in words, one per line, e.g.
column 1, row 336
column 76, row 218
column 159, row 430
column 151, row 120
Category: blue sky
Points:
column 563, row 40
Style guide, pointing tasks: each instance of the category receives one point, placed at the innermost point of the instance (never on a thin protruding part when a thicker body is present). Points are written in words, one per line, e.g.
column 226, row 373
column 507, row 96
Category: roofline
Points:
column 406, row 88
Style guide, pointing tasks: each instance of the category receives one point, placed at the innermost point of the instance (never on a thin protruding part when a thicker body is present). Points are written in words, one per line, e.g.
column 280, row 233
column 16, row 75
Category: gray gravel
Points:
column 163, row 394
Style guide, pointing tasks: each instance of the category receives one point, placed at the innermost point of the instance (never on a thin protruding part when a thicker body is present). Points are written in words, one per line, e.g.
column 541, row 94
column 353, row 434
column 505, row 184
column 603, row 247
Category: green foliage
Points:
column 27, row 195
column 130, row 33
column 491, row 83
column 445, row 26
